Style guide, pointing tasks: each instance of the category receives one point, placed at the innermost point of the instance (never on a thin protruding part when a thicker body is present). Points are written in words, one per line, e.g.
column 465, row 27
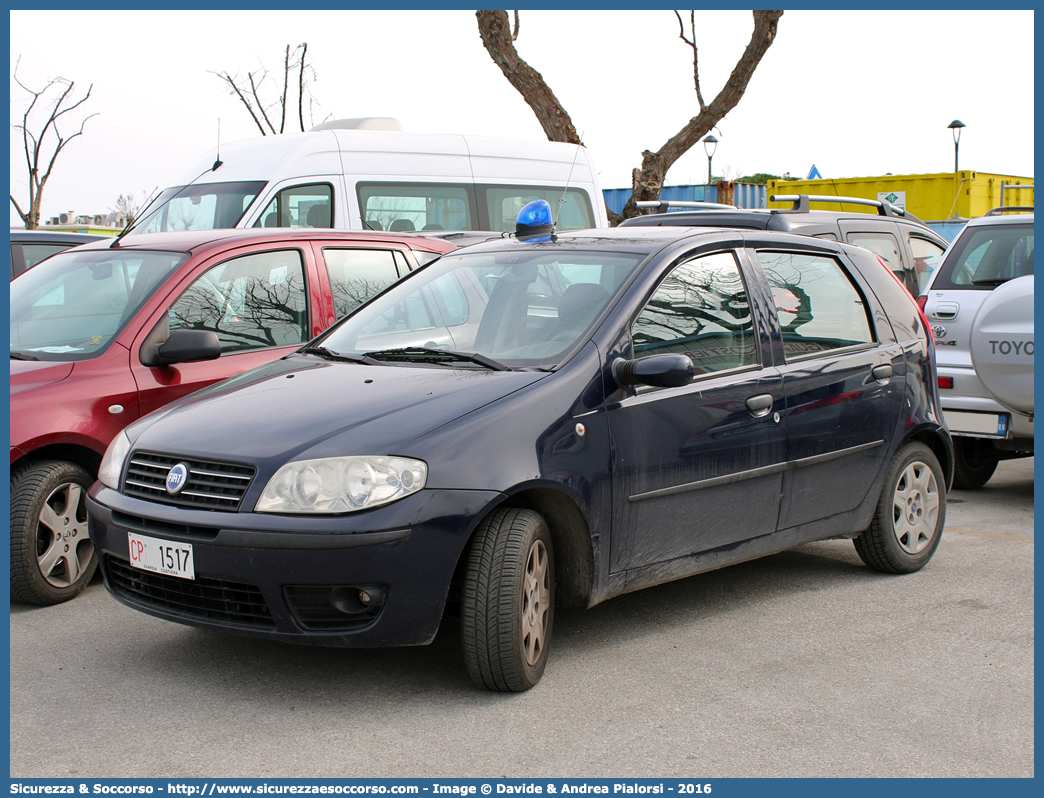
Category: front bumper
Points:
column 285, row 577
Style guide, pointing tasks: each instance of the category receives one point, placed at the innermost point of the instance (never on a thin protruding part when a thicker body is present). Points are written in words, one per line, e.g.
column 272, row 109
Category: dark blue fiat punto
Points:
column 522, row 424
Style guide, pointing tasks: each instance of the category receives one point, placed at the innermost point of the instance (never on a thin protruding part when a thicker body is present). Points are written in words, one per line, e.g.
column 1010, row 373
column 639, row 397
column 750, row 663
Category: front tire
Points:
column 508, row 601
column 52, row 556
column 908, row 523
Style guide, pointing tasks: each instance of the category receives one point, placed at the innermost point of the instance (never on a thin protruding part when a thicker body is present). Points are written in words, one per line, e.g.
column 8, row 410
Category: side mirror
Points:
column 659, row 371
column 182, row 346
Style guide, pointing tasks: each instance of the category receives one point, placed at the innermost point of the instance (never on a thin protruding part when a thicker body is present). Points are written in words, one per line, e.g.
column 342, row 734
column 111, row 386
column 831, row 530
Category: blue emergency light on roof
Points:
column 534, row 222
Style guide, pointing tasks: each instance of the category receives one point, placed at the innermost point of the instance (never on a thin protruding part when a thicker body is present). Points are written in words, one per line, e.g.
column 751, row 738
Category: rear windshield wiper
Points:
column 329, row 354
column 22, row 356
column 424, row 354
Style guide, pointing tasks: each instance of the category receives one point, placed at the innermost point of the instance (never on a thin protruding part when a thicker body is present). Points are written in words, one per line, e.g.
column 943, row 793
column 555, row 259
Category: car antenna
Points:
column 131, row 225
column 569, row 177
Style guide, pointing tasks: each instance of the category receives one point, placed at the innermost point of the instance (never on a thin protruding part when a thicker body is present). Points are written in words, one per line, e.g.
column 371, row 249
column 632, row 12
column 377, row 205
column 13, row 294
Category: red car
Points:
column 104, row 333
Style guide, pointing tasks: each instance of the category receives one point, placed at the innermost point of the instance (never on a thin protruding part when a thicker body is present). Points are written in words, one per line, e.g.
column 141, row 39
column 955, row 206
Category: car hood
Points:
column 29, row 374
column 302, row 408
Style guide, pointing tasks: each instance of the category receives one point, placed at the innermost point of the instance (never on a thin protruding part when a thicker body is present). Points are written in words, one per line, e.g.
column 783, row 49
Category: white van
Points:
column 369, row 174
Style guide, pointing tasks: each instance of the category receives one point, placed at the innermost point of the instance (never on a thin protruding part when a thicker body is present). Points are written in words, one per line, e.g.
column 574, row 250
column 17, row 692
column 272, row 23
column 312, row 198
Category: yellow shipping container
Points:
column 928, row 197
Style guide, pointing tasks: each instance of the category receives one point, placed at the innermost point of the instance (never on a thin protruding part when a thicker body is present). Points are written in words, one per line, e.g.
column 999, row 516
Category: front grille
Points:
column 210, row 485
column 311, row 608
column 207, row 599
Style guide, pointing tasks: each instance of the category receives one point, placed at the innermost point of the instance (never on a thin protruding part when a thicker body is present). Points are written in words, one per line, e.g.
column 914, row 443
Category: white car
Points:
column 980, row 305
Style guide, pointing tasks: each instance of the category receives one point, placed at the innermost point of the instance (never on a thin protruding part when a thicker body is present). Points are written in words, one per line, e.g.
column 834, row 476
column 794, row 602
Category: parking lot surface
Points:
column 803, row 664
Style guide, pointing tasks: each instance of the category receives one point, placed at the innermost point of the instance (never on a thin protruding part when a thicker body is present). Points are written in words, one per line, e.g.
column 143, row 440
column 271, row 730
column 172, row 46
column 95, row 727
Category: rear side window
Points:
column 701, row 310
column 34, row 253
column 984, row 257
column 818, row 306
column 884, row 245
column 358, row 274
column 926, row 256
column 252, row 302
column 300, row 206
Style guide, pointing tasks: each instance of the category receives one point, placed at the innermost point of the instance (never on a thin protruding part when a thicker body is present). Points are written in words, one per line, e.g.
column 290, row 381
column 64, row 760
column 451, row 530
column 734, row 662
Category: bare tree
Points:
column 128, row 207
column 267, row 112
column 43, row 142
column 646, row 182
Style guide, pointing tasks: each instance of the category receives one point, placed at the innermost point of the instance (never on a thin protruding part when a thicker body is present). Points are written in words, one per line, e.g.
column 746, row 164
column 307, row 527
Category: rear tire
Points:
column 508, row 603
column 971, row 470
column 52, row 557
column 908, row 523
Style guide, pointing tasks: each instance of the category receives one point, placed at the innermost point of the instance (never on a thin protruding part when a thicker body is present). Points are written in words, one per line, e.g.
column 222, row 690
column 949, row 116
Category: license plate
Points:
column 161, row 556
column 986, row 425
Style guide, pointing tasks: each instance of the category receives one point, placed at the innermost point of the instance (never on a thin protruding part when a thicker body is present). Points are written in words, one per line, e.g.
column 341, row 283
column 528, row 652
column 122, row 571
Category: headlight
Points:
column 341, row 484
column 112, row 462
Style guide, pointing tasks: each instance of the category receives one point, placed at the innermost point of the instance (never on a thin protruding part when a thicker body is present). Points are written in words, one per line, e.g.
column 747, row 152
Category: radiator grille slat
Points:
column 209, row 485
column 203, row 598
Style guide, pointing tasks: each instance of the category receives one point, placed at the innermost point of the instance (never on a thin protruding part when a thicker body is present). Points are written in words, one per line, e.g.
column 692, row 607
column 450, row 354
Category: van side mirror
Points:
column 182, row 346
column 659, row 371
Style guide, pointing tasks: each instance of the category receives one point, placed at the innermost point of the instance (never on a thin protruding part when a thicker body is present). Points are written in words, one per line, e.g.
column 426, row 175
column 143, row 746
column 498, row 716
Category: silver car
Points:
column 979, row 303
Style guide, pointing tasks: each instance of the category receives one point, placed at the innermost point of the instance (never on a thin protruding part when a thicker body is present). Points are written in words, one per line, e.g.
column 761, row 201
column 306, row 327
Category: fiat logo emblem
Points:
column 939, row 331
column 176, row 479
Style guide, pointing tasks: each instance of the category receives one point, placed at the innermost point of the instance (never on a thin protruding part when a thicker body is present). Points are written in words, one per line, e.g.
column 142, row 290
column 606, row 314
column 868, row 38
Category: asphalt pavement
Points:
column 802, row 664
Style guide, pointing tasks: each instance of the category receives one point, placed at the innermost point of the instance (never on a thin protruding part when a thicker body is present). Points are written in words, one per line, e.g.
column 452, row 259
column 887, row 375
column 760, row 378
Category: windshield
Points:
column 984, row 257
column 72, row 305
column 205, row 206
column 519, row 309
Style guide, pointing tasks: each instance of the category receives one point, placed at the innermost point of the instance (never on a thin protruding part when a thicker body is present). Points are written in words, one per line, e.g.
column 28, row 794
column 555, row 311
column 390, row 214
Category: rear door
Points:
column 843, row 378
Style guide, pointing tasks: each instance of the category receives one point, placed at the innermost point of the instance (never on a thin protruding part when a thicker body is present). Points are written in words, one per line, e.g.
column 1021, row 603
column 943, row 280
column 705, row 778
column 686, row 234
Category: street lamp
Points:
column 955, row 126
column 710, row 144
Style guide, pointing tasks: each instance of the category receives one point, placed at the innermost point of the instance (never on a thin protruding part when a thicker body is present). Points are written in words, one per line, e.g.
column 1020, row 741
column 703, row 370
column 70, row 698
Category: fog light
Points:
column 364, row 597
column 356, row 600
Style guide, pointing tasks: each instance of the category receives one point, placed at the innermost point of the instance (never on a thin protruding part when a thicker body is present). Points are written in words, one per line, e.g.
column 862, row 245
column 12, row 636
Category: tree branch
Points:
column 494, row 27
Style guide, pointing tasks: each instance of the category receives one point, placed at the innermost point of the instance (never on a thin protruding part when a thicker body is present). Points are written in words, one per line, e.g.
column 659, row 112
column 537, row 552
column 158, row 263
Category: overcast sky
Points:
column 853, row 92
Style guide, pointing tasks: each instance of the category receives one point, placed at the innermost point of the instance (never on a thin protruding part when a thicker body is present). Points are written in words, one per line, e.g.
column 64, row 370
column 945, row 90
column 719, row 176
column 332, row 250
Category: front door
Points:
column 697, row 467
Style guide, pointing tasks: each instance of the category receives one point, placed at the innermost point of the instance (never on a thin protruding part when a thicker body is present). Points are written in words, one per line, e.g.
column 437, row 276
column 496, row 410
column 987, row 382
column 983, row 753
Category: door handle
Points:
column 759, row 405
column 882, row 373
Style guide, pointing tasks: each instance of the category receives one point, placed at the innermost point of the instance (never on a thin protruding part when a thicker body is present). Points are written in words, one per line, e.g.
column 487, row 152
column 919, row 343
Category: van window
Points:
column 206, row 206
column 503, row 203
column 299, row 206
column 405, row 207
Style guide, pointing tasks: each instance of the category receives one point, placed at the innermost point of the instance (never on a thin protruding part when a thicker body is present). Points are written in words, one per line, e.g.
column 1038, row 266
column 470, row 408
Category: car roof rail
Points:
column 1009, row 209
column 662, row 205
column 802, row 204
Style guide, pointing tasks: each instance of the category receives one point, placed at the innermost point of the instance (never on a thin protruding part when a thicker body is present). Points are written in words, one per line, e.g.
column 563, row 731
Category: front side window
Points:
column 818, row 306
column 358, row 274
column 701, row 310
column 206, row 206
column 251, row 302
column 299, row 206
column 71, row 306
column 984, row 257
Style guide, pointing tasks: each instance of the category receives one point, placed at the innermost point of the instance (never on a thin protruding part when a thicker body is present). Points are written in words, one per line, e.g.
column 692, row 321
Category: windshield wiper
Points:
column 423, row 353
column 15, row 355
column 329, row 354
